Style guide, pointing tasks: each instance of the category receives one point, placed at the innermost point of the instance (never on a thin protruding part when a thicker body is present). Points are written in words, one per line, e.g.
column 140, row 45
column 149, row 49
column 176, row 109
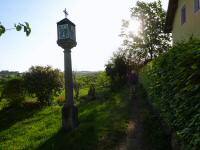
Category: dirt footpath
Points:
column 145, row 131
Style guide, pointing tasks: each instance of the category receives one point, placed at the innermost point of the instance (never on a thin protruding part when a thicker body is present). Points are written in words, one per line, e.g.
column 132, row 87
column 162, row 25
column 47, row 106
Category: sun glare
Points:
column 134, row 27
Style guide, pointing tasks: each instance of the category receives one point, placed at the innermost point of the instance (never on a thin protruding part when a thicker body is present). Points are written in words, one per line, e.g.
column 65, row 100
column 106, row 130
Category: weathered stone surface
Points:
column 69, row 117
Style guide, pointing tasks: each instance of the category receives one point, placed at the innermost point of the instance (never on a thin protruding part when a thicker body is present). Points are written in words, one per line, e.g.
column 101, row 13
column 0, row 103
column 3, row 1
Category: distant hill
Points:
column 6, row 73
column 83, row 73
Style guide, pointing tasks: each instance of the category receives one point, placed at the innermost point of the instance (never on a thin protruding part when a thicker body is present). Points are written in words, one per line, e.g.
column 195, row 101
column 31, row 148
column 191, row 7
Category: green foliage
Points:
column 25, row 26
column 43, row 82
column 4, row 104
column 18, row 27
column 2, row 29
column 13, row 91
column 102, row 80
column 151, row 40
column 87, row 79
column 174, row 85
column 117, row 70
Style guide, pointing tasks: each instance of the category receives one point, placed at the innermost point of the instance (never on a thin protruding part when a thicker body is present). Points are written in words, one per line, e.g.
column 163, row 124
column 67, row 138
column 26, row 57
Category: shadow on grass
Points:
column 82, row 138
column 102, row 126
column 10, row 116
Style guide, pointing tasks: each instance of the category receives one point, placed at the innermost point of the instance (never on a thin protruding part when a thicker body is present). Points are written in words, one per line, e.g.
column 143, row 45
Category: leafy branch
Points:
column 18, row 27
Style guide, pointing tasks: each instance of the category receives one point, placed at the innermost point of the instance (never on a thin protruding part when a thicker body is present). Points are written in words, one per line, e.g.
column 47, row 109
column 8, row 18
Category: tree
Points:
column 43, row 82
column 18, row 27
column 151, row 41
column 117, row 69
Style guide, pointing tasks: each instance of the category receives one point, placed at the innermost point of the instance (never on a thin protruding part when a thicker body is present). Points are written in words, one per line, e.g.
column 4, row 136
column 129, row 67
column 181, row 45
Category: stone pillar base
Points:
column 69, row 117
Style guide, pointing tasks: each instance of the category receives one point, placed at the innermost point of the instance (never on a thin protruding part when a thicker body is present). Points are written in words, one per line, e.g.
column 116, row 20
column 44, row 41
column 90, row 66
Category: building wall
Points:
column 191, row 27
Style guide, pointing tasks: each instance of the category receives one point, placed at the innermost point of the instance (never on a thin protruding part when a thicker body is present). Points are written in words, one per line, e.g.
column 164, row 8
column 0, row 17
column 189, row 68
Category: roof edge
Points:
column 64, row 21
column 172, row 7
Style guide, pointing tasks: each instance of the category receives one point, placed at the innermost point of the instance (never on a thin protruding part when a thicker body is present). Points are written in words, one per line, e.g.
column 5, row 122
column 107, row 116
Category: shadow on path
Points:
column 82, row 138
column 145, row 130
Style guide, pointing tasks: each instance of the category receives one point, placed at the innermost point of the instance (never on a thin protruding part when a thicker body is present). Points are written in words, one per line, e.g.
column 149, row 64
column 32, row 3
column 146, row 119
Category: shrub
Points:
column 43, row 82
column 13, row 91
column 174, row 85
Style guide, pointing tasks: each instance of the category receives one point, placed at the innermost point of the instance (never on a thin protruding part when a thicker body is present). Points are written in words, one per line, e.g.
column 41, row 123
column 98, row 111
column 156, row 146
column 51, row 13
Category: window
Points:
column 63, row 31
column 196, row 5
column 183, row 14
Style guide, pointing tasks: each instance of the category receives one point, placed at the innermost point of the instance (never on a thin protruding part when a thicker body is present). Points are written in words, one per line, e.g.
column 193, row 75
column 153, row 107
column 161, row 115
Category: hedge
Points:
column 172, row 82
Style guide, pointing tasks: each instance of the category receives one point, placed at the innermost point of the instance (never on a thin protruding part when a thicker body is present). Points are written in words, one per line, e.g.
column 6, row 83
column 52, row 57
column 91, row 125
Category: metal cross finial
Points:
column 65, row 12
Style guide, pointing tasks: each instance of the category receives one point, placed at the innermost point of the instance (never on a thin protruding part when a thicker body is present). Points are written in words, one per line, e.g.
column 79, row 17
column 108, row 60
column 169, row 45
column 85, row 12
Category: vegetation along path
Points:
column 145, row 130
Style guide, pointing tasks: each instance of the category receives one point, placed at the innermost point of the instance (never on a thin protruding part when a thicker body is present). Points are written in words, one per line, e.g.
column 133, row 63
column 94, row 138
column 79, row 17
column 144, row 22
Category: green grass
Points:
column 25, row 129
column 103, row 124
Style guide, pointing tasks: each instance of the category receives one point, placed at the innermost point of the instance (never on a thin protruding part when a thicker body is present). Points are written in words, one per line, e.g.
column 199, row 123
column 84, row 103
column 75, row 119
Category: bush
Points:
column 13, row 91
column 173, row 83
column 44, row 83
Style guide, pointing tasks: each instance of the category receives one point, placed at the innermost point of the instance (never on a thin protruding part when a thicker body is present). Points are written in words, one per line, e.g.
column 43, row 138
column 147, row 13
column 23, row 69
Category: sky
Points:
column 98, row 24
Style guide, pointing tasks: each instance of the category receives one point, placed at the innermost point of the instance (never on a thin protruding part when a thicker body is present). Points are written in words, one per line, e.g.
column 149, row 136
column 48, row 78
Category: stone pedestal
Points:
column 69, row 117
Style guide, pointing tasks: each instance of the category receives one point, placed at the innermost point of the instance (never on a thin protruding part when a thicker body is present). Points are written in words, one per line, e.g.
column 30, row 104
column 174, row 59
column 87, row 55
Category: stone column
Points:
column 69, row 111
column 68, row 77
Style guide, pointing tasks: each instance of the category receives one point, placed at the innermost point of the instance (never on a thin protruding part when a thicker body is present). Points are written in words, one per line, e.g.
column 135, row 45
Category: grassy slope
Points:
column 102, row 124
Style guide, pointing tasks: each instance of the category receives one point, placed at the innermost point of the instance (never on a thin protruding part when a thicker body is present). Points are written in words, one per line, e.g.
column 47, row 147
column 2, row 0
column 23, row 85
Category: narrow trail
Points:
column 134, row 139
column 138, row 134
